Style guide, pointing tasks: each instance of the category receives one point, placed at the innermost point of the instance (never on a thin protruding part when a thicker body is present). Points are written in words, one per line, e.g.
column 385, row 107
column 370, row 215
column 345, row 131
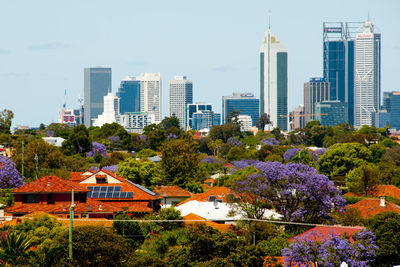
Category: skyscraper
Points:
column 180, row 95
column 192, row 108
column 274, row 81
column 338, row 60
column 129, row 95
column 367, row 80
column 246, row 104
column 331, row 113
column 97, row 83
column 316, row 90
column 110, row 113
column 150, row 94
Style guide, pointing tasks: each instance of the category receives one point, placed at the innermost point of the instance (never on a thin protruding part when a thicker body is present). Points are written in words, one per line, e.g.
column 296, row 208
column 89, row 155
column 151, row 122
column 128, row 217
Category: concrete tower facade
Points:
column 180, row 95
column 150, row 94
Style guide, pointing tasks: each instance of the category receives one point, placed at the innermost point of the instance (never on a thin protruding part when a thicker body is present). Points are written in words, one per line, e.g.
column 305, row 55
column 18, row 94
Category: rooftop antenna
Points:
column 269, row 19
column 65, row 99
column 80, row 99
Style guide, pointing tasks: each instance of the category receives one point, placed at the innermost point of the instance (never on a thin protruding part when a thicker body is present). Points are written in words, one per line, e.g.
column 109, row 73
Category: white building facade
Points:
column 367, row 83
column 150, row 94
column 245, row 123
column 135, row 121
column 180, row 94
column 274, row 81
column 111, row 111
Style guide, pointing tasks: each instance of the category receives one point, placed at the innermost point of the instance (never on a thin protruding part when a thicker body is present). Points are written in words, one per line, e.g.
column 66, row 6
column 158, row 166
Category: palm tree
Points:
column 14, row 248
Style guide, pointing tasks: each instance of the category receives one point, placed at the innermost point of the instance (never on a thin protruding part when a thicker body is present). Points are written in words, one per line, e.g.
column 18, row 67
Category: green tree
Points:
column 237, row 153
column 377, row 150
column 180, row 162
column 6, row 117
column 142, row 172
column 145, row 153
column 78, row 141
column 129, row 229
column 386, row 228
column 215, row 146
column 392, row 155
column 14, row 248
column 263, row 121
column 224, row 131
column 362, row 178
column 277, row 133
column 155, row 136
column 163, row 214
column 169, row 122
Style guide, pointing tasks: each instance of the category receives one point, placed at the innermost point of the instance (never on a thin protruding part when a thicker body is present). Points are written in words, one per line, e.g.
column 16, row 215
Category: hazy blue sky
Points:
column 45, row 45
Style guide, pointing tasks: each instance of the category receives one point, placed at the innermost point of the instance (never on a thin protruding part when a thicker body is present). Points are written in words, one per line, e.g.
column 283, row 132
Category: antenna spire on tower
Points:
column 269, row 19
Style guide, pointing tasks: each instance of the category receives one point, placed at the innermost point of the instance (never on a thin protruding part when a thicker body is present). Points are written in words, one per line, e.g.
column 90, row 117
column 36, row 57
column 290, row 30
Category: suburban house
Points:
column 324, row 233
column 380, row 191
column 372, row 206
column 171, row 195
column 107, row 187
column 53, row 195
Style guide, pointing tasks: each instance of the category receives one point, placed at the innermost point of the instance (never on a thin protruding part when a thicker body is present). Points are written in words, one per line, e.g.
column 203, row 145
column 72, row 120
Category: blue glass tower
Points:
column 245, row 103
column 192, row 108
column 395, row 110
column 129, row 95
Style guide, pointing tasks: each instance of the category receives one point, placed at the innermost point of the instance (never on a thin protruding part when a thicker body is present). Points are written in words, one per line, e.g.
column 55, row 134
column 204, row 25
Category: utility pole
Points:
column 22, row 169
column 71, row 222
column 37, row 166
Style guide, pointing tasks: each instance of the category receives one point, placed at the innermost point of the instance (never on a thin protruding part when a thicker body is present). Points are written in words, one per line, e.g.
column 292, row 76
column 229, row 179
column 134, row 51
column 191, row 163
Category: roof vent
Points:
column 383, row 202
column 48, row 183
column 100, row 207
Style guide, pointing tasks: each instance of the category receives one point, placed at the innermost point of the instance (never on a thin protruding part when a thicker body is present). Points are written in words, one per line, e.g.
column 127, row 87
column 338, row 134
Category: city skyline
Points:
column 49, row 53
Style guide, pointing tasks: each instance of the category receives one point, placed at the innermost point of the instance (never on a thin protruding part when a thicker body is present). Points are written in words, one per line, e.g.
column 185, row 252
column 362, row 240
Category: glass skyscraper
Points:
column 331, row 113
column 316, row 90
column 246, row 104
column 192, row 108
column 180, row 95
column 97, row 83
column 129, row 95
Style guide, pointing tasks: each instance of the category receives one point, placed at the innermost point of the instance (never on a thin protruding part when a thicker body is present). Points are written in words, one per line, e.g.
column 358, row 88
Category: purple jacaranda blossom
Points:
column 172, row 136
column 290, row 153
column 49, row 133
column 297, row 191
column 115, row 142
column 97, row 148
column 95, row 169
column 269, row 141
column 234, row 141
column 144, row 139
column 317, row 153
column 241, row 164
column 111, row 168
column 332, row 252
column 210, row 160
column 9, row 176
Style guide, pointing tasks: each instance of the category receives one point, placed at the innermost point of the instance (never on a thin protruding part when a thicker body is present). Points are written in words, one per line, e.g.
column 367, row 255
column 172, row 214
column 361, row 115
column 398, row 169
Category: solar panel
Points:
column 95, row 194
column 122, row 195
column 130, row 195
column 90, row 188
column 141, row 187
column 116, row 194
column 103, row 188
column 109, row 195
column 102, row 195
column 212, row 198
column 89, row 194
column 96, row 188
column 117, row 188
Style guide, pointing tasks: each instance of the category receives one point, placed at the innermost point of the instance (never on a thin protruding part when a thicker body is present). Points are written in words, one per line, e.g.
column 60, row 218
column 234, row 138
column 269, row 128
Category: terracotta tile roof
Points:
column 171, row 191
column 77, row 176
column 134, row 206
column 351, row 194
column 219, row 192
column 384, row 190
column 371, row 206
column 50, row 184
column 279, row 261
column 322, row 233
column 91, row 205
column 192, row 218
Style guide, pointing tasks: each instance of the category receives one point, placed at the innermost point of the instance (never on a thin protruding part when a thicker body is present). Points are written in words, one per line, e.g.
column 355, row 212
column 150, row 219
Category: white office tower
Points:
column 180, row 94
column 150, row 94
column 134, row 122
column 111, row 111
column 245, row 123
column 367, row 80
column 274, row 81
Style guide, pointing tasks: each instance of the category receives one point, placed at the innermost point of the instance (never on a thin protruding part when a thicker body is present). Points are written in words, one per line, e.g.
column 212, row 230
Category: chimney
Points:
column 383, row 204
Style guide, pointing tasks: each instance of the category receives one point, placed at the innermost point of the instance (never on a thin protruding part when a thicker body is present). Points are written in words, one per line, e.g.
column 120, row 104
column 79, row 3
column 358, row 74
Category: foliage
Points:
column 352, row 199
column 377, row 151
column 155, row 136
column 392, row 155
column 362, row 178
column 291, row 153
column 296, row 190
column 146, row 153
column 386, row 228
column 263, row 121
column 6, row 117
column 14, row 248
column 237, row 153
column 163, row 214
column 130, row 229
column 143, row 172
column 349, row 217
column 78, row 141
column 215, row 146
column 332, row 252
column 234, row 142
column 169, row 122
column 9, row 176
column 224, row 132
column 180, row 162
column 269, row 141
column 97, row 149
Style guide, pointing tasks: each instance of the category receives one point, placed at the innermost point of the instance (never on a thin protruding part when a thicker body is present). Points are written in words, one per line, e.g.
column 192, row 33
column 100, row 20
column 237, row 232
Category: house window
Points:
column 30, row 198
column 101, row 180
column 50, row 199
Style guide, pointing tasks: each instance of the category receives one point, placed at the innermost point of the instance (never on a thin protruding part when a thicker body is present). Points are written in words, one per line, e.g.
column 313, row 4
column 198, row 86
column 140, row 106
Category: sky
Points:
column 45, row 45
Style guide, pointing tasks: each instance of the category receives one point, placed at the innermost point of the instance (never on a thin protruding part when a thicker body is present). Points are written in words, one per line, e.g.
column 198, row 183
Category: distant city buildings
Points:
column 150, row 94
column 316, row 90
column 136, row 121
column 245, row 123
column 297, row 118
column 331, row 113
column 111, row 111
column 97, row 83
column 129, row 95
column 244, row 103
column 201, row 116
column 180, row 95
column 367, row 83
column 274, row 81
column 71, row 117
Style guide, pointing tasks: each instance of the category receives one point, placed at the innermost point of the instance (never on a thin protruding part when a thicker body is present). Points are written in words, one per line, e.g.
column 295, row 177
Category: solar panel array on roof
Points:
column 108, row 192
column 141, row 187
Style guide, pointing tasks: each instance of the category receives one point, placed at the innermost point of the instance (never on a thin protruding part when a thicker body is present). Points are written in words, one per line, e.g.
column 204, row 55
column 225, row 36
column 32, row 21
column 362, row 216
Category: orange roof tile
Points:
column 219, row 192
column 322, row 233
column 171, row 191
column 91, row 206
column 192, row 218
column 134, row 206
column 50, row 184
column 371, row 206
column 384, row 190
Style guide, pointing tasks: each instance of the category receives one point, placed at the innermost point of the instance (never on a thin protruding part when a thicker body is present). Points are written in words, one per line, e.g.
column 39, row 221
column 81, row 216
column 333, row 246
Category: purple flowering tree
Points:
column 291, row 153
column 9, row 176
column 234, row 141
column 97, row 148
column 297, row 191
column 334, row 251
column 317, row 153
column 111, row 168
column 172, row 136
column 49, row 133
column 210, row 160
column 269, row 141
column 115, row 142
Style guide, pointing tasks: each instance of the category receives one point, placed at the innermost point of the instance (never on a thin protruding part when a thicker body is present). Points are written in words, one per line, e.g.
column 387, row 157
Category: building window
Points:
column 50, row 199
column 101, row 180
column 30, row 198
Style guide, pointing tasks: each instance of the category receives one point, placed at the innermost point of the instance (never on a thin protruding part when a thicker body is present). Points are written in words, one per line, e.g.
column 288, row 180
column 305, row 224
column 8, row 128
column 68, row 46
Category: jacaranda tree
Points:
column 297, row 191
column 9, row 176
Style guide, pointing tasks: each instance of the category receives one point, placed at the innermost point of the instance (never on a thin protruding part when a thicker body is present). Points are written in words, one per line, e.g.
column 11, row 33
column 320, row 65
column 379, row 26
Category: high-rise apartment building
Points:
column 150, row 94
column 338, row 60
column 205, row 119
column 111, row 111
column 192, row 108
column 367, row 80
column 180, row 95
column 97, row 83
column 129, row 95
column 316, row 90
column 274, row 81
column 245, row 103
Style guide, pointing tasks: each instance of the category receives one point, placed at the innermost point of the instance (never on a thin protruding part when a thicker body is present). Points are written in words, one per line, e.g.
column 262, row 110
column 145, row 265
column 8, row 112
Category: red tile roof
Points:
column 192, row 218
column 50, row 184
column 371, row 206
column 322, row 233
column 134, row 206
column 219, row 192
column 171, row 191
column 384, row 190
column 91, row 205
